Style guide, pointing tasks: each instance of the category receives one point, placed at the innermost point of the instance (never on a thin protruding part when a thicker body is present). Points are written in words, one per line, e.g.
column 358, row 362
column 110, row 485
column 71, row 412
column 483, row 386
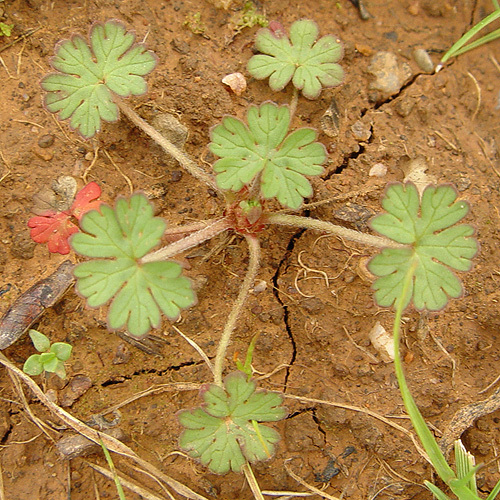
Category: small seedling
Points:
column 6, row 29
column 225, row 433
column 55, row 228
column 309, row 63
column 194, row 24
column 52, row 356
column 249, row 17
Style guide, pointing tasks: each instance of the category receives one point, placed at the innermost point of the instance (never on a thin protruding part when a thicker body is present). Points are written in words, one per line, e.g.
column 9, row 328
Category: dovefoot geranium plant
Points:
column 259, row 159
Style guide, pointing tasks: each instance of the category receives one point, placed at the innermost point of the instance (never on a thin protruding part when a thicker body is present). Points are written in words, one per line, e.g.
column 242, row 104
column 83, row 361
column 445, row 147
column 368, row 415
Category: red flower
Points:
column 55, row 228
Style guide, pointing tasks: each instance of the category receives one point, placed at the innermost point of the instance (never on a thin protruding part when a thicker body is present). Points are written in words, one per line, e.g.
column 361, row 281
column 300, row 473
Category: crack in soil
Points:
column 348, row 157
column 124, row 378
column 276, row 292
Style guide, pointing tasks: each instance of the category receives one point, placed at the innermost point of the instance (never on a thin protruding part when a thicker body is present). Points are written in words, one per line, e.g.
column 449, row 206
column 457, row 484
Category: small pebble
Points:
column 423, row 60
column 414, row 9
column 89, row 156
column 390, row 74
column 175, row 176
column 361, row 131
column 122, row 354
column 236, row 82
column 260, row 286
column 383, row 342
column 43, row 154
column 378, row 170
column 45, row 141
column 77, row 386
column 312, row 304
column 23, row 247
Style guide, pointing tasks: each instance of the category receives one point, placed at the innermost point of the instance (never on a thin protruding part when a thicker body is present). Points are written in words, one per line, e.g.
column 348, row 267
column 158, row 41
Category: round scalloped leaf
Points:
column 427, row 224
column 311, row 65
column 82, row 89
column 263, row 146
column 225, row 433
column 139, row 293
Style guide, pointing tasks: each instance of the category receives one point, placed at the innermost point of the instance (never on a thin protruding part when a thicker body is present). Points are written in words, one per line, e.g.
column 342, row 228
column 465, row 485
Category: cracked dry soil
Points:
column 316, row 312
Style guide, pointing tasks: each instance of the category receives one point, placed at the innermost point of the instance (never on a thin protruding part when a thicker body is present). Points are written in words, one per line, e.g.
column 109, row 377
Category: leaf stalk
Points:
column 190, row 241
column 172, row 150
column 328, row 227
column 253, row 267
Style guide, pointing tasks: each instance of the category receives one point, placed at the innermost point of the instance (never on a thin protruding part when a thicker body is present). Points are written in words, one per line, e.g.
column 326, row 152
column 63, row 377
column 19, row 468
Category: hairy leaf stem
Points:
column 293, row 102
column 184, row 160
column 328, row 227
column 426, row 438
column 253, row 267
column 190, row 241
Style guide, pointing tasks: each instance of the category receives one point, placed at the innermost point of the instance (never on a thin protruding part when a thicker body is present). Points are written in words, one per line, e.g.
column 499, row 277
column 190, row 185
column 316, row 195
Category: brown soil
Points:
column 314, row 329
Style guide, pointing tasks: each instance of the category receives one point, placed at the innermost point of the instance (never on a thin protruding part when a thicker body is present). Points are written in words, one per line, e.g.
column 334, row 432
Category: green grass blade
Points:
column 477, row 43
column 440, row 495
column 111, row 465
column 465, row 463
column 426, row 437
column 470, row 34
column 494, row 492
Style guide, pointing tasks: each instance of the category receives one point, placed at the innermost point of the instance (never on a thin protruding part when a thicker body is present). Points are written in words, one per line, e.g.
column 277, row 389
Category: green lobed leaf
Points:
column 61, row 350
column 40, row 341
column 263, row 146
column 222, row 434
column 33, row 365
column 434, row 246
column 139, row 293
column 60, row 371
column 49, row 361
column 311, row 65
column 87, row 77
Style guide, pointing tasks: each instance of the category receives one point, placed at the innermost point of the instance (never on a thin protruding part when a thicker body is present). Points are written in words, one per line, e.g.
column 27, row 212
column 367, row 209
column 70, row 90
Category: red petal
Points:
column 53, row 228
column 83, row 200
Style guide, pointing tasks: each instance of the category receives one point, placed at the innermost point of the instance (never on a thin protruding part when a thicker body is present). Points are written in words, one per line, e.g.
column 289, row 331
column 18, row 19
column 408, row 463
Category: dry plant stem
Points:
column 328, row 227
column 186, row 162
column 252, row 482
column 293, row 102
column 253, row 267
column 125, row 482
column 187, row 228
column 111, row 443
column 194, row 239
